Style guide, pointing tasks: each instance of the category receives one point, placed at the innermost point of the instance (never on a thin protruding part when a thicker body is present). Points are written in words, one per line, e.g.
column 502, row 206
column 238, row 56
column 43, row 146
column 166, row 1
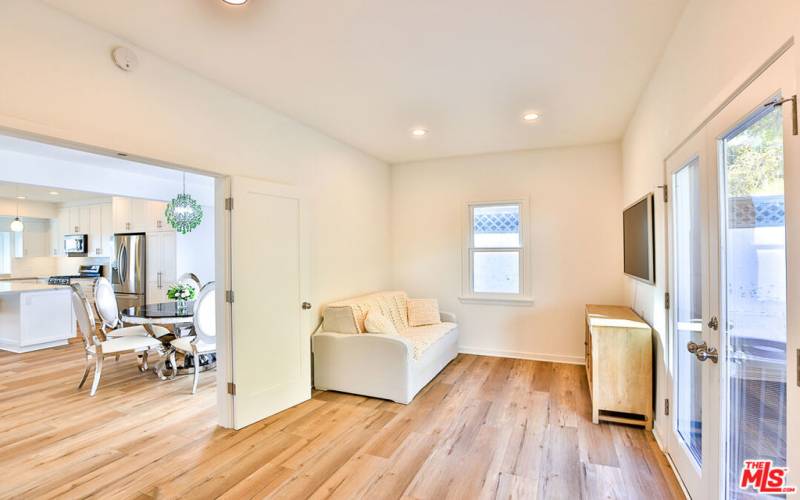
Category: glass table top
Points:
column 162, row 310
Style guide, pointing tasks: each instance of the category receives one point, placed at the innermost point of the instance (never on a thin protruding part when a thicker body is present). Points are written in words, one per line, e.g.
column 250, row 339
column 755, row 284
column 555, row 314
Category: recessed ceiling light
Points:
column 54, row 193
column 529, row 117
column 235, row 2
column 20, row 197
column 419, row 132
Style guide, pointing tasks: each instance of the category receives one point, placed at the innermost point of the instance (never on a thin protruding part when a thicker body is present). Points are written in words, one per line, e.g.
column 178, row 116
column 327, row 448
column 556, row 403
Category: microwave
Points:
column 75, row 245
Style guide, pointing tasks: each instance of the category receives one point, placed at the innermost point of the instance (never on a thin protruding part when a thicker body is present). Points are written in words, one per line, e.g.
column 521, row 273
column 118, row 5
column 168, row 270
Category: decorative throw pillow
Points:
column 376, row 322
column 423, row 312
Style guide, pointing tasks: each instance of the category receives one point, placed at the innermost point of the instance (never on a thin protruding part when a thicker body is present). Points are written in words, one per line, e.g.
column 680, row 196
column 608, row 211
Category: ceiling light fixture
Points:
column 16, row 225
column 530, row 117
column 419, row 132
column 235, row 2
column 54, row 193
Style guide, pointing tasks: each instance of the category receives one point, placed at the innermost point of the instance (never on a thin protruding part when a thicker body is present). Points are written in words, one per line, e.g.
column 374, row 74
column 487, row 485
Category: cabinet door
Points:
column 155, row 291
column 156, row 216
column 74, row 220
column 61, row 229
column 169, row 259
column 95, row 248
column 106, row 230
column 121, row 213
column 85, row 220
column 140, row 219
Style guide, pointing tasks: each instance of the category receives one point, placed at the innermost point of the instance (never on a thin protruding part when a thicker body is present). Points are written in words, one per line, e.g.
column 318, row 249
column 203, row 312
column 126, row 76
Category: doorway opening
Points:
column 137, row 242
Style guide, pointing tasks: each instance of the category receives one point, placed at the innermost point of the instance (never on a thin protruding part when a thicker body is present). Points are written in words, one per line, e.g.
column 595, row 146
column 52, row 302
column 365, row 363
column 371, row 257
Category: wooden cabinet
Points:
column 619, row 365
column 161, row 265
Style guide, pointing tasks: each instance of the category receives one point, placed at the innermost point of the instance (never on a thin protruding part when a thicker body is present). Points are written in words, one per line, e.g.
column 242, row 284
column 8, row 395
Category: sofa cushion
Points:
column 422, row 337
column 378, row 323
column 423, row 312
column 348, row 316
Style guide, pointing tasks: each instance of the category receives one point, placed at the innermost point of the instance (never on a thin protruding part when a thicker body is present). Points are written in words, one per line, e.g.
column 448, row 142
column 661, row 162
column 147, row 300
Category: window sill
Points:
column 500, row 301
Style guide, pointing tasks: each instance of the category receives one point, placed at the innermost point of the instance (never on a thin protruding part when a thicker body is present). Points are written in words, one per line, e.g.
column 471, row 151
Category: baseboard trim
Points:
column 535, row 356
column 17, row 349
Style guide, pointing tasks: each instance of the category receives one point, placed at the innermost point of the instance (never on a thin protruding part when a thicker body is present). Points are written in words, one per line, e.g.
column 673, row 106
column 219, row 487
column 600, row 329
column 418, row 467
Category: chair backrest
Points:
column 106, row 303
column 84, row 315
column 205, row 315
column 192, row 279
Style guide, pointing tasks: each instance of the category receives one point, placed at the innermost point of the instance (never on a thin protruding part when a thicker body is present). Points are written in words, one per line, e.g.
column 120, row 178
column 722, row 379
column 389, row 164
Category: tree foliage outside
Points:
column 754, row 158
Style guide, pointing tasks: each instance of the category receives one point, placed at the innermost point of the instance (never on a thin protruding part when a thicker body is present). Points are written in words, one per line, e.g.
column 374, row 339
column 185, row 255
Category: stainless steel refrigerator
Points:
column 128, row 273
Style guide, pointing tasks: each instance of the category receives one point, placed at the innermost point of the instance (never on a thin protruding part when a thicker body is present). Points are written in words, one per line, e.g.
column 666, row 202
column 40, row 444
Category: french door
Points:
column 729, row 328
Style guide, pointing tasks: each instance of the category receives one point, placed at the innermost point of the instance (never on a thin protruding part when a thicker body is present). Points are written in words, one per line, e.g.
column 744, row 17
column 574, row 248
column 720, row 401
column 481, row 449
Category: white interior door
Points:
column 731, row 230
column 271, row 345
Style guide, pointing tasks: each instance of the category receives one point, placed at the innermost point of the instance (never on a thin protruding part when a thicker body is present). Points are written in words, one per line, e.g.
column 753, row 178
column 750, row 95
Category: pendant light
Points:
column 16, row 225
column 183, row 212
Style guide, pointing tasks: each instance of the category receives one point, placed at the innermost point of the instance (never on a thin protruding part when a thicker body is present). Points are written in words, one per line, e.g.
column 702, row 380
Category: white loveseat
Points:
column 394, row 367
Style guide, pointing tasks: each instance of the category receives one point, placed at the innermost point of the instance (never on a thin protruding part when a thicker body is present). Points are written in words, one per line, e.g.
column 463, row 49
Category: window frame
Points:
column 468, row 293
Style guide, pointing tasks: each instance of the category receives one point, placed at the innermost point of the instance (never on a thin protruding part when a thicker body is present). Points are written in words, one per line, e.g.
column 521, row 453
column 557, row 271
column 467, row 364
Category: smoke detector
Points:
column 125, row 58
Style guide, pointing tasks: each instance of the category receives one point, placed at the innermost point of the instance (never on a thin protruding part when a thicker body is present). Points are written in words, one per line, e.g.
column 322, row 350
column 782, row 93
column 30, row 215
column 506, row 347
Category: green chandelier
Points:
column 183, row 212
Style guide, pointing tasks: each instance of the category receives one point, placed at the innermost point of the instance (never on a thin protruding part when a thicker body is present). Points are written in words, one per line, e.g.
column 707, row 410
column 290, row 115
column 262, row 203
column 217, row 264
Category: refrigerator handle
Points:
column 122, row 263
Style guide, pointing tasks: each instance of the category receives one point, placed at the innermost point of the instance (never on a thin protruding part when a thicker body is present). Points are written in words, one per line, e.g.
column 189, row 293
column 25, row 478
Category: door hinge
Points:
column 231, row 388
column 229, row 204
column 229, row 296
column 665, row 190
column 666, row 406
column 666, row 300
column 793, row 100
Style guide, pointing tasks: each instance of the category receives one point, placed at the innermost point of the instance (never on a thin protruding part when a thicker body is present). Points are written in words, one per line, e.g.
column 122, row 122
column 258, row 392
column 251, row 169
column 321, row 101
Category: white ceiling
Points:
column 366, row 72
column 42, row 193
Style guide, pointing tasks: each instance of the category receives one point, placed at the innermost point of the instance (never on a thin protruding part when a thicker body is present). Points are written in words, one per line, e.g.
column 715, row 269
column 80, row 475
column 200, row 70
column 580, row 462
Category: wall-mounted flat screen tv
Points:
column 638, row 238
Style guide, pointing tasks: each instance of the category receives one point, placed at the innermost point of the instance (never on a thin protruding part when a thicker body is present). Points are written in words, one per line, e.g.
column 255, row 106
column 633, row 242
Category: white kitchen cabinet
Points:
column 58, row 228
column 107, row 229
column 156, row 218
column 121, row 208
column 34, row 241
column 34, row 316
column 100, row 232
column 161, row 265
column 135, row 215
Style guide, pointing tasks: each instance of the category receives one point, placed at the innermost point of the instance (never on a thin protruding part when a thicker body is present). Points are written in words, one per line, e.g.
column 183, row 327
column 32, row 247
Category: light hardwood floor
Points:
column 484, row 428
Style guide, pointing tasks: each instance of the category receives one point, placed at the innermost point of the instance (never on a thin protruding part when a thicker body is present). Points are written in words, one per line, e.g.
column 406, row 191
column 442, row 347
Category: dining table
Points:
column 179, row 317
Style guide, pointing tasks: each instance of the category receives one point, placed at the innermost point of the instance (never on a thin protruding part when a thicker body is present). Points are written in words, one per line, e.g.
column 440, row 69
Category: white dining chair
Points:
column 112, row 327
column 205, row 328
column 97, row 349
column 192, row 279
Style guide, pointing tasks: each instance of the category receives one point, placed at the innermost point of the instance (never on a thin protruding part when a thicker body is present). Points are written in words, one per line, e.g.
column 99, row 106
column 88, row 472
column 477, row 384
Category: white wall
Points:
column 716, row 46
column 576, row 240
column 59, row 81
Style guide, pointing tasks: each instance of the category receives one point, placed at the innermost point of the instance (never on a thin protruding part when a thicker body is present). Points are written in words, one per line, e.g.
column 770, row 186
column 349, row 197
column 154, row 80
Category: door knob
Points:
column 692, row 347
column 708, row 353
column 306, row 305
column 713, row 323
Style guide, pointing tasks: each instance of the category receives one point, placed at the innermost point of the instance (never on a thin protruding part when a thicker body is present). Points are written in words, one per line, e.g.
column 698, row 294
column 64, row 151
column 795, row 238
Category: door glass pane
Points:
column 688, row 308
column 755, row 294
column 496, row 272
column 496, row 226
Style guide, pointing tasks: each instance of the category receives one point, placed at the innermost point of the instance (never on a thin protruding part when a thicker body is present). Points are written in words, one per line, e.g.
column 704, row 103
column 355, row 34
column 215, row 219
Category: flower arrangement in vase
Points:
column 181, row 293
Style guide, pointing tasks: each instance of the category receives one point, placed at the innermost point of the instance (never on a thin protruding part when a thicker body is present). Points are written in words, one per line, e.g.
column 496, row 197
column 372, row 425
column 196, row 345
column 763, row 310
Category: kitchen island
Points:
column 34, row 316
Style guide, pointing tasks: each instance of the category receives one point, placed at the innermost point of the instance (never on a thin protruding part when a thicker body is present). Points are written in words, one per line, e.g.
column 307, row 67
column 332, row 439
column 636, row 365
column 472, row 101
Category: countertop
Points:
column 13, row 287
